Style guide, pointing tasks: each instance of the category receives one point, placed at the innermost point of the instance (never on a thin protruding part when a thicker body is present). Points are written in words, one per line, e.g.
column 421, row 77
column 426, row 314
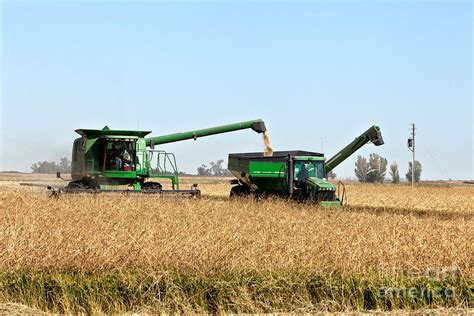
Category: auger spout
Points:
column 372, row 135
column 256, row 125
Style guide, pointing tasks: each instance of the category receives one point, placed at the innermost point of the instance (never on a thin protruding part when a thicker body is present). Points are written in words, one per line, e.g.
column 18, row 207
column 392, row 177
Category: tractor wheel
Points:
column 239, row 191
column 152, row 186
column 76, row 185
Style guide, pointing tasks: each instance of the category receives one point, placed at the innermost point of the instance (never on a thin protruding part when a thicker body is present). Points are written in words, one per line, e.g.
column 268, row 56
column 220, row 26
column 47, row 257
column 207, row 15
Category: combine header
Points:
column 300, row 175
column 121, row 160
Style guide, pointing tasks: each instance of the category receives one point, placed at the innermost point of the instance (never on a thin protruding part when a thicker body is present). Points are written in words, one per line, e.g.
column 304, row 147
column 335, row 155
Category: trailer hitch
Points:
column 342, row 197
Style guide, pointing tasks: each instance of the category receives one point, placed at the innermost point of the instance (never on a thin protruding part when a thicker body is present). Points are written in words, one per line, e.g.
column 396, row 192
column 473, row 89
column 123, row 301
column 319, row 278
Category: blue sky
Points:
column 311, row 70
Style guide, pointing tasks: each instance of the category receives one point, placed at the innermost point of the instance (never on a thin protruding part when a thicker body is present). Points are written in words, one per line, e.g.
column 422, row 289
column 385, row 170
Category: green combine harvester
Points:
column 126, row 161
column 300, row 175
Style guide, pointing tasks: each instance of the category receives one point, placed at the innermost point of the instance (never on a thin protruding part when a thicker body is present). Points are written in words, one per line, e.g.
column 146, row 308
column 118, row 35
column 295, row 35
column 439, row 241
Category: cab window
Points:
column 305, row 169
column 120, row 155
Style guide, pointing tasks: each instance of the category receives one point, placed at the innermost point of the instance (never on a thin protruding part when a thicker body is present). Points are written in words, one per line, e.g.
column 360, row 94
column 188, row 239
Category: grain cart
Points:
column 295, row 174
column 121, row 160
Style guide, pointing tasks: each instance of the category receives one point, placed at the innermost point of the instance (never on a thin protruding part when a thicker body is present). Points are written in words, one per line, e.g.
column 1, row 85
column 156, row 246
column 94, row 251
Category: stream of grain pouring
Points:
column 268, row 145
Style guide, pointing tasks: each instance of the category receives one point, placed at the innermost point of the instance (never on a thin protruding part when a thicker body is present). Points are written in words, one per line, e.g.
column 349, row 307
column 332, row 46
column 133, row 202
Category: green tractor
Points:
column 127, row 161
column 300, row 175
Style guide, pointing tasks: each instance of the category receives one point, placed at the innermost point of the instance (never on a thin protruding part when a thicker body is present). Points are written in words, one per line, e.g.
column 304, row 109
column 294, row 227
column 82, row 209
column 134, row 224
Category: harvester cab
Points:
column 300, row 175
column 124, row 160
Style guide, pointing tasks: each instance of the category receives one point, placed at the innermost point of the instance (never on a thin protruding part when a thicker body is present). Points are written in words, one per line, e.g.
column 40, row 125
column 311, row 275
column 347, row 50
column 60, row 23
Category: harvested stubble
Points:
column 120, row 253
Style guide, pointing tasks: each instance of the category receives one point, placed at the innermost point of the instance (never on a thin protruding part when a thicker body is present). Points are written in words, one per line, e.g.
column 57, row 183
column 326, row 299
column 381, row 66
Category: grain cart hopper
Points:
column 295, row 174
column 121, row 160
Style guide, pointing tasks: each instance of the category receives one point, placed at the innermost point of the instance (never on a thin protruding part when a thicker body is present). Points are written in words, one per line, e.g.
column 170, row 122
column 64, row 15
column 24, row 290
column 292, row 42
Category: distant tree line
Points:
column 63, row 166
column 331, row 175
column 374, row 170
column 418, row 170
column 169, row 173
column 215, row 169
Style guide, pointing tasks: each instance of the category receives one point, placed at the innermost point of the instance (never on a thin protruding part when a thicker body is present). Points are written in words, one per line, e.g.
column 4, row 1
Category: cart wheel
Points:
column 239, row 191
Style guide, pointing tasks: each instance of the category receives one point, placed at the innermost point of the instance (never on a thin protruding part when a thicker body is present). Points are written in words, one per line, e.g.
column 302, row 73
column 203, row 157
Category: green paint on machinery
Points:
column 122, row 160
column 295, row 174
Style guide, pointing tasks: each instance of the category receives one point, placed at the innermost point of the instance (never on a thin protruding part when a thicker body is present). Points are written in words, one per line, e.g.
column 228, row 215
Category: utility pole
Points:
column 411, row 146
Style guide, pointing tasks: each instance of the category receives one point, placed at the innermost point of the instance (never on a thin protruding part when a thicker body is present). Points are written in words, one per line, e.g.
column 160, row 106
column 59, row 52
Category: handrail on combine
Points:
column 164, row 159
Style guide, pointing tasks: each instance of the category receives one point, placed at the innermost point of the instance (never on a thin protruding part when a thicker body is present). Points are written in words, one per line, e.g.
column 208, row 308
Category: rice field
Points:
column 391, row 247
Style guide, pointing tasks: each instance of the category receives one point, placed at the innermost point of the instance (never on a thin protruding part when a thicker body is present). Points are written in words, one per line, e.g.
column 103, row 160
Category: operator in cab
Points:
column 127, row 160
column 116, row 161
column 303, row 174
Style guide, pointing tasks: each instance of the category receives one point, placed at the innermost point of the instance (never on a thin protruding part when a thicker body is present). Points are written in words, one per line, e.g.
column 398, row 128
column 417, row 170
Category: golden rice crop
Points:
column 457, row 199
column 103, row 232
column 388, row 231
